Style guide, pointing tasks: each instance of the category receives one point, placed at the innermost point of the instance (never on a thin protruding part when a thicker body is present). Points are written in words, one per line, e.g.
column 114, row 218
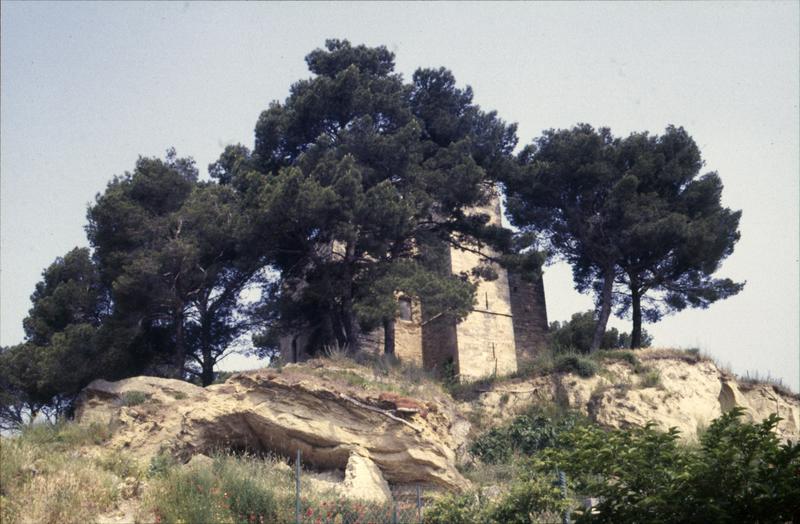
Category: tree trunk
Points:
column 207, row 373
column 180, row 344
column 388, row 336
column 349, row 322
column 605, row 309
column 636, row 304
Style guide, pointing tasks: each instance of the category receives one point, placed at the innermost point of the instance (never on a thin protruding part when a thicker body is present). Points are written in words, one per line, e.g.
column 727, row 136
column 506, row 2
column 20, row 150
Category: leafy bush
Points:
column 455, row 509
column 526, row 435
column 576, row 335
column 532, row 498
column 739, row 473
column 571, row 363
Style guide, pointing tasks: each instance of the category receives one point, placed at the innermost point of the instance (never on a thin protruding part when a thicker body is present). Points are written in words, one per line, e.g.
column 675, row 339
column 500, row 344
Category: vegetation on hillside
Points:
column 354, row 189
column 738, row 472
column 640, row 227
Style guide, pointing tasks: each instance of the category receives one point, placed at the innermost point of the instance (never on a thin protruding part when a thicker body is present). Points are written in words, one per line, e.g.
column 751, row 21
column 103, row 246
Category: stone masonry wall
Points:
column 530, row 316
column 486, row 337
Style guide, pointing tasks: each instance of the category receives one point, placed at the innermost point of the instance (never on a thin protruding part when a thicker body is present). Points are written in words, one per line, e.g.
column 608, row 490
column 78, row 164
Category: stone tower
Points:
column 506, row 327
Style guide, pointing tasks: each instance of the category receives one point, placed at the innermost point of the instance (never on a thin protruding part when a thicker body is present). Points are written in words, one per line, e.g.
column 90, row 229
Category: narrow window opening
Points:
column 405, row 309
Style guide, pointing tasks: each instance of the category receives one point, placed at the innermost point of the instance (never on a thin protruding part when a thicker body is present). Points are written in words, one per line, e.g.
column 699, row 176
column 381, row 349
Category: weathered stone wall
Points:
column 439, row 344
column 486, row 337
column 408, row 336
column 530, row 316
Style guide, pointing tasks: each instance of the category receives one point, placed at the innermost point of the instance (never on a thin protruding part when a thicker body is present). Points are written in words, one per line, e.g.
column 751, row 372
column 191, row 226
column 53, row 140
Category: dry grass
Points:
column 46, row 480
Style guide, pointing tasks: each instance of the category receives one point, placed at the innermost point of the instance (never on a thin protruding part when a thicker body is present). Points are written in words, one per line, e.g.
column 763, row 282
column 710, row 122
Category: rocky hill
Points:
column 380, row 427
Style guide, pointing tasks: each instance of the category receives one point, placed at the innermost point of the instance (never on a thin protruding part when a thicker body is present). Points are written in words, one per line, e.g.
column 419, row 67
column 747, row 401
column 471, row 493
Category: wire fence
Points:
column 405, row 507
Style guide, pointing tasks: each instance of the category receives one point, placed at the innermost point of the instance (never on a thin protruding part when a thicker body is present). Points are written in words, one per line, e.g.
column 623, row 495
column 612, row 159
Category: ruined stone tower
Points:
column 506, row 327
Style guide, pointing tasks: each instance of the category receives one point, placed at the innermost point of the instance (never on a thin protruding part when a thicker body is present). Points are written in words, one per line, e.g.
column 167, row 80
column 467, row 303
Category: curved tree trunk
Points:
column 605, row 309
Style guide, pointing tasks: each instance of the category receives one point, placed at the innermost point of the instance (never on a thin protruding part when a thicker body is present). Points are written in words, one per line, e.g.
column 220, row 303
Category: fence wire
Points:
column 406, row 507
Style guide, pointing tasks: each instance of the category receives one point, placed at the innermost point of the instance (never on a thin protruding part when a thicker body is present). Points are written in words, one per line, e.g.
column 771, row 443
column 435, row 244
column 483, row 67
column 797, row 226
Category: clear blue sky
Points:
column 87, row 87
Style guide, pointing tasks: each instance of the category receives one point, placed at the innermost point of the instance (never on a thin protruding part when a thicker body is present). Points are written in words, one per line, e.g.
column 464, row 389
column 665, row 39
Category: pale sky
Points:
column 88, row 87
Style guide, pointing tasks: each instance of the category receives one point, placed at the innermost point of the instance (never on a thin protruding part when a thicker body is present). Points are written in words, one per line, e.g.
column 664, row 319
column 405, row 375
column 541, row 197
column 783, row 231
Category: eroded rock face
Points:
column 280, row 413
column 687, row 394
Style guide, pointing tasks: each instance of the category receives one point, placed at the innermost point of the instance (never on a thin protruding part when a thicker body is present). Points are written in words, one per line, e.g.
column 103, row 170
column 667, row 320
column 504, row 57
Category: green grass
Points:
column 133, row 398
column 650, row 379
column 574, row 363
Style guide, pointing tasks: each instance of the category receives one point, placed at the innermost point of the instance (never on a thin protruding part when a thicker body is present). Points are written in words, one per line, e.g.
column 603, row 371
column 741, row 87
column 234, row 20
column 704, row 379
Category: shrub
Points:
column 739, row 473
column 454, row 509
column 526, row 434
column 571, row 363
column 651, row 379
column 531, row 498
column 577, row 333
column 133, row 398
column 161, row 463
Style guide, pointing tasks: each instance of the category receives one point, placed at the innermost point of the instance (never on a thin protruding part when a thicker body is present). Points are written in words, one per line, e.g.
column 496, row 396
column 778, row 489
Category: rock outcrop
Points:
column 376, row 437
column 672, row 389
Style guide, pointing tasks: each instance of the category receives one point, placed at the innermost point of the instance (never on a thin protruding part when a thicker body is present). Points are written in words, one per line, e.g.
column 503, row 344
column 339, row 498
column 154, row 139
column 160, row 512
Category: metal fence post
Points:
column 562, row 482
column 394, row 511
column 419, row 505
column 297, row 488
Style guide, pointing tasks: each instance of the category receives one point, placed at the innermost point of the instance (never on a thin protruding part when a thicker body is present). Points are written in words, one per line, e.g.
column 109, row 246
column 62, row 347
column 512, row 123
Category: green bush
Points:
column 526, row 434
column 531, row 499
column 571, row 363
column 455, row 509
column 576, row 335
column 740, row 472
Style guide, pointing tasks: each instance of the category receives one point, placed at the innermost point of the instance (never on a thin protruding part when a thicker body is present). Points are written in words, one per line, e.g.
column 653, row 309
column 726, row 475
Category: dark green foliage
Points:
column 455, row 509
column 525, row 435
column 361, row 179
column 177, row 262
column 62, row 353
column 627, row 212
column 576, row 335
column 740, row 472
column 530, row 498
column 572, row 363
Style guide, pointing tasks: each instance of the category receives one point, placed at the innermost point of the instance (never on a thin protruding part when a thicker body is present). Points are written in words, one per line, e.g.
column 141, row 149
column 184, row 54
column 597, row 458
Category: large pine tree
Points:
column 356, row 177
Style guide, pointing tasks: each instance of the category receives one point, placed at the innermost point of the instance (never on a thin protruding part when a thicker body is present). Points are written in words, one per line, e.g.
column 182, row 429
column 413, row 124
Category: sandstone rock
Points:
column 278, row 413
column 689, row 395
column 363, row 480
